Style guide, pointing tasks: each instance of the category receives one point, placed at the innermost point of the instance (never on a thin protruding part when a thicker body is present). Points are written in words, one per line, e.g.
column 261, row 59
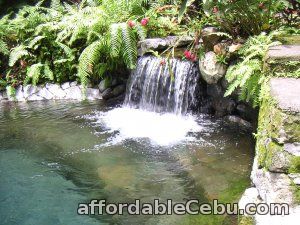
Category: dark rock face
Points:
column 239, row 122
column 210, row 38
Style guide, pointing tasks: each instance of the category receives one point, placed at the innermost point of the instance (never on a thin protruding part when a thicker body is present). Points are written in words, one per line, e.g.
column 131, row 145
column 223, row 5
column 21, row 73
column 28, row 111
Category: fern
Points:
column 48, row 72
column 129, row 46
column 34, row 73
column 16, row 54
column 116, row 39
column 3, row 47
column 88, row 59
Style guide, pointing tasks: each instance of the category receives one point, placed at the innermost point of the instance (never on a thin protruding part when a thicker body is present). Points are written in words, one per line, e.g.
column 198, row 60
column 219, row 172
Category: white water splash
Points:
column 161, row 129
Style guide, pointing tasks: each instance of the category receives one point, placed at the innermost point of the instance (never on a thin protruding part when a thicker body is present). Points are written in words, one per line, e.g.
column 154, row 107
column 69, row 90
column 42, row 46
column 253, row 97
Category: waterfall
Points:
column 158, row 87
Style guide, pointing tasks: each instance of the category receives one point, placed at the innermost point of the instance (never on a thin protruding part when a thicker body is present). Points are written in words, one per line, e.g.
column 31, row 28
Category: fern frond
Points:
column 16, row 54
column 87, row 60
column 129, row 46
column 48, row 72
column 116, row 39
column 34, row 73
column 141, row 32
column 34, row 41
column 3, row 48
column 55, row 4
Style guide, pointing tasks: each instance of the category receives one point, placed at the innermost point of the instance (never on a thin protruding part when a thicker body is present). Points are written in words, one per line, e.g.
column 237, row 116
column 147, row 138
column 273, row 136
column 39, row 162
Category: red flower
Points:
column 131, row 23
column 215, row 9
column 193, row 57
column 187, row 54
column 144, row 21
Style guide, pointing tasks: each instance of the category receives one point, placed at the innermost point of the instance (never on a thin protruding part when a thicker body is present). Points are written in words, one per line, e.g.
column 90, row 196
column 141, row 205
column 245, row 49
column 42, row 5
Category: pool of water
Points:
column 55, row 155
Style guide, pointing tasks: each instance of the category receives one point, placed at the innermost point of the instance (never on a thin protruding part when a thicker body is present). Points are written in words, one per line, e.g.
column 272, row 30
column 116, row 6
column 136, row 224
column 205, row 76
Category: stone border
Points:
column 65, row 91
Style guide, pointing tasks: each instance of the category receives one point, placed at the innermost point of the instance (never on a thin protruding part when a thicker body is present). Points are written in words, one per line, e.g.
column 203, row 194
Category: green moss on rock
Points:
column 246, row 220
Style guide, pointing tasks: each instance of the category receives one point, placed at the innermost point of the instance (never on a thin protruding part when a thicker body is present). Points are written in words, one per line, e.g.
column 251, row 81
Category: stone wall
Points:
column 276, row 168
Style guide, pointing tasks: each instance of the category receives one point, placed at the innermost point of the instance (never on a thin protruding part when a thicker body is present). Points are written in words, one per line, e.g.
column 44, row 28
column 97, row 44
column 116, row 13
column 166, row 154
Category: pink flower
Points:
column 193, row 57
column 187, row 54
column 131, row 23
column 144, row 21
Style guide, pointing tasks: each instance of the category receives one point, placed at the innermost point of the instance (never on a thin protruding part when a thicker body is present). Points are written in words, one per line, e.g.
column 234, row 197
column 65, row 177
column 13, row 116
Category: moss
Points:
column 296, row 193
column 295, row 165
column 289, row 40
column 246, row 220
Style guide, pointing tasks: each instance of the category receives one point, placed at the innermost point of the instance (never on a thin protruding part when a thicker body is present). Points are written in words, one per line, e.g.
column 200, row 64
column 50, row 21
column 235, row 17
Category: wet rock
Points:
column 1, row 96
column 211, row 70
column 215, row 90
column 29, row 90
column 118, row 90
column 93, row 94
column 66, row 85
column 56, row 91
column 239, row 121
column 247, row 112
column 210, row 38
column 34, row 97
column 44, row 93
column 103, row 85
column 74, row 92
column 19, row 94
column 158, row 44
column 107, row 94
column 223, row 106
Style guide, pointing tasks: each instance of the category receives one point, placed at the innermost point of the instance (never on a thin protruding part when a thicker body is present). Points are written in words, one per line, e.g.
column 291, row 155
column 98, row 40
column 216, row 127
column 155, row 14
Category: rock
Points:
column 210, row 38
column 34, row 97
column 283, row 53
column 295, row 177
column 44, row 93
column 20, row 94
column 272, row 187
column 56, row 91
column 158, row 44
column 211, row 70
column 287, row 100
column 292, row 148
column 107, row 94
column 92, row 94
column 239, row 121
column 74, row 92
column 215, row 90
column 234, row 48
column 103, row 85
column 66, row 85
column 74, row 83
column 280, row 162
column 247, row 112
column 29, row 90
column 1, row 96
column 250, row 195
column 220, row 49
column 223, row 106
column 118, row 90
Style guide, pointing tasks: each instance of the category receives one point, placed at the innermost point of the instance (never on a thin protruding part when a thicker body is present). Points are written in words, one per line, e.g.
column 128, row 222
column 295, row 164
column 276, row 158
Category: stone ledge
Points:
column 283, row 53
column 66, row 91
column 286, row 91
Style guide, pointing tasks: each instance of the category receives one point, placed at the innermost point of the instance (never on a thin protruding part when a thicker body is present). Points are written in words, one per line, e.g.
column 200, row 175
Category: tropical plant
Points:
column 248, row 76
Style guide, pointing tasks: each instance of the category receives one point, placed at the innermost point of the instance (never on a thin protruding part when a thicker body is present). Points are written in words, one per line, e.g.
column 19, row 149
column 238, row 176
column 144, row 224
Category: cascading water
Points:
column 158, row 100
column 160, row 87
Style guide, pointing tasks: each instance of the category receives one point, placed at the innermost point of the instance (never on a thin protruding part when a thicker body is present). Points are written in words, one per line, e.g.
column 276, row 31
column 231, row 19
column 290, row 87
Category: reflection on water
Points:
column 55, row 155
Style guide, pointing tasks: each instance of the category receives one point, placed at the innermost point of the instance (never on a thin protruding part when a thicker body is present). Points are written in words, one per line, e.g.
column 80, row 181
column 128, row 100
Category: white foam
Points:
column 161, row 129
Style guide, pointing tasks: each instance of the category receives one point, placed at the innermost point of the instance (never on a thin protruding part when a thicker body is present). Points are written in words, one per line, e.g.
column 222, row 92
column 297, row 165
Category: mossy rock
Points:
column 246, row 220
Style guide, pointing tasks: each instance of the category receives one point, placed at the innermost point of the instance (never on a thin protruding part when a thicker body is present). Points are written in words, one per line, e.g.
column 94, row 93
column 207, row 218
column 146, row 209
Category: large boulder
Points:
column 211, row 70
column 210, row 37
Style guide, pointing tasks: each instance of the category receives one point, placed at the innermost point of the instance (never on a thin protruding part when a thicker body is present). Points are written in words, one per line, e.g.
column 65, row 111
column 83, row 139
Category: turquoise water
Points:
column 55, row 155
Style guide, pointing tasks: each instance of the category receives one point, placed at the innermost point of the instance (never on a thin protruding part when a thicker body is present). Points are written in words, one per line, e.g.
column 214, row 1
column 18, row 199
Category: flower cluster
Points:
column 143, row 22
column 190, row 56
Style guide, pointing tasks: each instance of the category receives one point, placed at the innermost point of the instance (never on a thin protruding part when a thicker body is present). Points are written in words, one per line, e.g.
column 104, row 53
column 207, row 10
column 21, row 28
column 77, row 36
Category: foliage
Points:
column 248, row 76
column 246, row 18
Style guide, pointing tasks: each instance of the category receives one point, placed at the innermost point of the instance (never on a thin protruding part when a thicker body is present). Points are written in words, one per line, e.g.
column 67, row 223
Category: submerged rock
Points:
column 239, row 121
column 93, row 94
column 211, row 70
